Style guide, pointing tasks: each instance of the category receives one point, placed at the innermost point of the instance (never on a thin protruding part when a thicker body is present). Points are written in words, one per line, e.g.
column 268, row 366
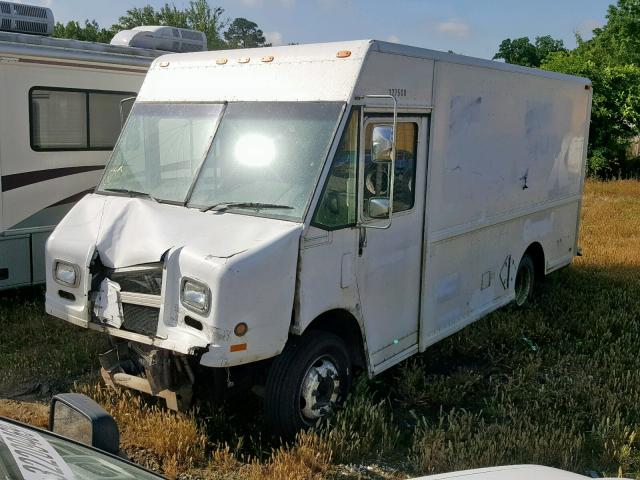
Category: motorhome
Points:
column 62, row 103
column 297, row 214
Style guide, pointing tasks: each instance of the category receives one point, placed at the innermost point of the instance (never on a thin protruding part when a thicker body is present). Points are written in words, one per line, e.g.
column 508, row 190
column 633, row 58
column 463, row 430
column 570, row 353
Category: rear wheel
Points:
column 306, row 382
column 525, row 281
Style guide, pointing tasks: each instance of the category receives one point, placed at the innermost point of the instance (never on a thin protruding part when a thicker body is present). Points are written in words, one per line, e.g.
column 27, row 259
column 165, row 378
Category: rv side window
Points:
column 337, row 206
column 376, row 174
column 68, row 119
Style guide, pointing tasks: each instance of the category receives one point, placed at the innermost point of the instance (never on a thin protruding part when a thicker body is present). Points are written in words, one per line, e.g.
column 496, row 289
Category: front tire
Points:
column 525, row 281
column 306, row 382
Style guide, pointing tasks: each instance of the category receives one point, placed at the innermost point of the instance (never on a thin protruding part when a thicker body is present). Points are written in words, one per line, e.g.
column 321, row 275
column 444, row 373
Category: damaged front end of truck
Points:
column 173, row 300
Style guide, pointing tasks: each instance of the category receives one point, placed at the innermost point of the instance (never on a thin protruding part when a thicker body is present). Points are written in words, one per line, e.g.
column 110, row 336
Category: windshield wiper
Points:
column 132, row 193
column 222, row 206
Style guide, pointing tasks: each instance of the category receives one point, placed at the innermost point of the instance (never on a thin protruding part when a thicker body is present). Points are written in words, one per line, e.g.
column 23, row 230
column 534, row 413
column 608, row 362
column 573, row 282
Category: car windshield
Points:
column 261, row 158
column 27, row 453
column 161, row 149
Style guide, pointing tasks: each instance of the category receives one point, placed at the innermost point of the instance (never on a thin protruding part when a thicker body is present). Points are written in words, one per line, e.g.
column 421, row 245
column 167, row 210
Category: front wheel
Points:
column 306, row 382
column 525, row 280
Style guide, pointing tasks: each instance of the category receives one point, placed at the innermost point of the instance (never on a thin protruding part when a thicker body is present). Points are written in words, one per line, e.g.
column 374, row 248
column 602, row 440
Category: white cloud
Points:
column 393, row 39
column 274, row 38
column 586, row 28
column 454, row 28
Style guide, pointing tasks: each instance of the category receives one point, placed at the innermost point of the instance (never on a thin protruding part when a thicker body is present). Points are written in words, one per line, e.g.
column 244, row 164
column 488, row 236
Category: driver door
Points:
column 389, row 266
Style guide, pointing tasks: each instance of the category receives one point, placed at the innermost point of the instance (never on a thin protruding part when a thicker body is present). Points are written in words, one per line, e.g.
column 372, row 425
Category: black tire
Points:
column 525, row 281
column 302, row 360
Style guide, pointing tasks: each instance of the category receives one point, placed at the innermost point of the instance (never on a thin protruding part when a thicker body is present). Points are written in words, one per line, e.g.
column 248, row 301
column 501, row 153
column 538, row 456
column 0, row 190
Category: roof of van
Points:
column 22, row 44
column 311, row 72
column 358, row 49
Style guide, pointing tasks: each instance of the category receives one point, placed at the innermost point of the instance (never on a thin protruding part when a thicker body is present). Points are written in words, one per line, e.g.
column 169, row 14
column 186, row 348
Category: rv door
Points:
column 389, row 268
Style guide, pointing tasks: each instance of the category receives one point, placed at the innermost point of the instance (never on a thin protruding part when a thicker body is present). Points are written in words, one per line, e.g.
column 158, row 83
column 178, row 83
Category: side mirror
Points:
column 382, row 143
column 79, row 418
column 378, row 207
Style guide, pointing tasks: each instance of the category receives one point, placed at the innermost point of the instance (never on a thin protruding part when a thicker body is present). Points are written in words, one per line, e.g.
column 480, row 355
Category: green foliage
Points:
column 522, row 52
column 243, row 33
column 90, row 32
column 618, row 42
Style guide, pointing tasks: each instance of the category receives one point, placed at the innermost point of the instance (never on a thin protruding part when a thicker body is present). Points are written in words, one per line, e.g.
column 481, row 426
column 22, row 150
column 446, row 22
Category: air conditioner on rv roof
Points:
column 172, row 39
column 17, row 17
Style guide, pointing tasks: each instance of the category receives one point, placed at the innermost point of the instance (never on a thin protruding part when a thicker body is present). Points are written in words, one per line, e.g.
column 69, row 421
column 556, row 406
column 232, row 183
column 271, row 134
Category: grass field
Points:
column 557, row 384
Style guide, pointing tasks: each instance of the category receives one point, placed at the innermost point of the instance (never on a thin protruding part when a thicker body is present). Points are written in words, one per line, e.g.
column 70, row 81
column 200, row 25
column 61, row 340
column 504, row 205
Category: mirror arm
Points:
column 392, row 171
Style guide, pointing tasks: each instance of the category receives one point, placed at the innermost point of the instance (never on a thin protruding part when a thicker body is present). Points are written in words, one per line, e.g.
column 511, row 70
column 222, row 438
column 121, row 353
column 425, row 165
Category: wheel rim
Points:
column 320, row 389
column 524, row 281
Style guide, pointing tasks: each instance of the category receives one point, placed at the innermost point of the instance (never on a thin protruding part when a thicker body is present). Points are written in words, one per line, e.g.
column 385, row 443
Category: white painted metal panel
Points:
column 409, row 79
column 296, row 73
column 502, row 141
column 506, row 171
column 17, row 155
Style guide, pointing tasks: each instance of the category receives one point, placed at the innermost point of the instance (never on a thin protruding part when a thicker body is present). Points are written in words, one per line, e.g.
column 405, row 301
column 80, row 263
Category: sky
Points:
column 470, row 27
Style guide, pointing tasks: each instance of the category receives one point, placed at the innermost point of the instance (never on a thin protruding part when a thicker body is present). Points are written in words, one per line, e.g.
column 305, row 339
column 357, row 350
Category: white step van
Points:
column 292, row 215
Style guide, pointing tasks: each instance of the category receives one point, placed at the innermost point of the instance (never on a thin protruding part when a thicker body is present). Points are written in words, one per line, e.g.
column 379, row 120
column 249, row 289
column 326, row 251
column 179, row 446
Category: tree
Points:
column 243, row 33
column 618, row 42
column 91, row 32
column 522, row 52
column 519, row 51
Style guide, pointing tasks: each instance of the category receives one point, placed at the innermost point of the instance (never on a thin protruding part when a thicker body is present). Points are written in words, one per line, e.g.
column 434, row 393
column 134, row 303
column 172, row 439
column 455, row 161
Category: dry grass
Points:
column 557, row 384
column 610, row 230
column 33, row 413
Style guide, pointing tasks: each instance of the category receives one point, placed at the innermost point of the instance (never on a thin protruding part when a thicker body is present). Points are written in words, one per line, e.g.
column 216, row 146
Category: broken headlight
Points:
column 195, row 295
column 66, row 274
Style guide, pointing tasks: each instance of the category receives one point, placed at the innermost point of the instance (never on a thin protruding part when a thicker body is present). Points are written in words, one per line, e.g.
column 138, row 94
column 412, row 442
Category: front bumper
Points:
column 150, row 370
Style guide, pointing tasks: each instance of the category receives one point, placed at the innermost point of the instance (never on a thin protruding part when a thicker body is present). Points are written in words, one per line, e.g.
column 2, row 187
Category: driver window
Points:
column 376, row 175
column 337, row 206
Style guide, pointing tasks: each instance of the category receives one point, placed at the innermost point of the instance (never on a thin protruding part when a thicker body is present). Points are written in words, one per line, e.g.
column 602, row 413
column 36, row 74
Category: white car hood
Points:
column 514, row 472
column 132, row 231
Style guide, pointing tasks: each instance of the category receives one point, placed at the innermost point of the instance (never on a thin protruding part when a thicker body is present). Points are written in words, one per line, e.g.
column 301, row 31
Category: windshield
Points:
column 160, row 149
column 265, row 157
column 26, row 454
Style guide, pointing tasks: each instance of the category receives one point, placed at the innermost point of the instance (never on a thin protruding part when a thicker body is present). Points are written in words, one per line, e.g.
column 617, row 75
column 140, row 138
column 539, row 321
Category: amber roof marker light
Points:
column 267, row 58
column 343, row 54
column 221, row 61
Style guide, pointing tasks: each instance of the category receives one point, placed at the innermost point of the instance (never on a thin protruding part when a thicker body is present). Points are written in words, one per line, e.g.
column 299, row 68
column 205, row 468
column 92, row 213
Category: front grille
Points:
column 146, row 280
column 140, row 295
column 140, row 319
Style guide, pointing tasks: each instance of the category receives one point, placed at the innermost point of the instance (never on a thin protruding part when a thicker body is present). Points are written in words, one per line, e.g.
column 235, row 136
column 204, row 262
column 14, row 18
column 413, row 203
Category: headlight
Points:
column 66, row 274
column 195, row 295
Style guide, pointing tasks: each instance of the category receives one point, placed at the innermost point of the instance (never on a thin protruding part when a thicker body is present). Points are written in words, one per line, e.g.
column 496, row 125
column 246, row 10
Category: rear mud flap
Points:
column 152, row 371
